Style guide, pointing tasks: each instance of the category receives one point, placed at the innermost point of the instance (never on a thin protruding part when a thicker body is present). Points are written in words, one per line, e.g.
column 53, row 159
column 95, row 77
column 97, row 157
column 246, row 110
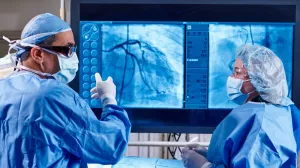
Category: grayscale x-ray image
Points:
column 146, row 62
column 224, row 41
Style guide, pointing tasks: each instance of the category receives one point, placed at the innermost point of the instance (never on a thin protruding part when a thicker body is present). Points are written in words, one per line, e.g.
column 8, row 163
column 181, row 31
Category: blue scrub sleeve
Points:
column 296, row 125
column 101, row 141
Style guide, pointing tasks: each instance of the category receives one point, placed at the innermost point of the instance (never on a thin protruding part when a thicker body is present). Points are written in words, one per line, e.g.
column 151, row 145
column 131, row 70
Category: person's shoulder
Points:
column 260, row 110
column 56, row 89
column 250, row 108
column 277, row 110
column 65, row 97
column 56, row 85
column 277, row 119
column 61, row 92
column 246, row 114
column 250, row 105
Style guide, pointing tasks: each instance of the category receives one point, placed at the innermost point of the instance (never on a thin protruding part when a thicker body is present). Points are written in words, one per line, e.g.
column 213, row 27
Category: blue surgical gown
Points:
column 44, row 123
column 255, row 135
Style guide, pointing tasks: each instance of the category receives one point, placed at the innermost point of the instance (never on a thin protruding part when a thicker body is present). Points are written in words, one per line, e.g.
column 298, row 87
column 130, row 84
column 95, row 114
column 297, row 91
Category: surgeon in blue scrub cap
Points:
column 44, row 123
column 264, row 130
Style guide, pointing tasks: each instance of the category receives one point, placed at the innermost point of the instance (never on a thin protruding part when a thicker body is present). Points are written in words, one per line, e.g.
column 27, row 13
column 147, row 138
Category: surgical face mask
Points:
column 234, row 92
column 68, row 65
column 68, row 68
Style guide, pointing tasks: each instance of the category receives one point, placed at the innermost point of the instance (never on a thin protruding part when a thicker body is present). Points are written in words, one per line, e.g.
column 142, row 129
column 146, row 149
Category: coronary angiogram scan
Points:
column 146, row 62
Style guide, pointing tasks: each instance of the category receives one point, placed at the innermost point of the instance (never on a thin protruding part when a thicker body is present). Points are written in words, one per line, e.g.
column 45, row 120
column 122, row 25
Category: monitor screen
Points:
column 167, row 64
column 170, row 60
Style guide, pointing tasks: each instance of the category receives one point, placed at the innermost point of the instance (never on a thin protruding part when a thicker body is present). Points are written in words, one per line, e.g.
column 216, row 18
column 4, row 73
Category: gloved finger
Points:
column 109, row 79
column 94, row 90
column 200, row 149
column 95, row 96
column 98, row 77
column 183, row 156
column 184, row 150
column 193, row 145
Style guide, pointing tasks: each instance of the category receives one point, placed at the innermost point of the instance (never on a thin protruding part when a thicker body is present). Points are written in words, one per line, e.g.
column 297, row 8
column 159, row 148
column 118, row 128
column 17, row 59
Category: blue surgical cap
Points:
column 40, row 24
column 39, row 29
column 266, row 72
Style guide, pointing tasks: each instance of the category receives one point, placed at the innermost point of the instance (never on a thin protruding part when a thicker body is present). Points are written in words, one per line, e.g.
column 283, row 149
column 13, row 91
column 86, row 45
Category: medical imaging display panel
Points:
column 224, row 41
column 182, row 65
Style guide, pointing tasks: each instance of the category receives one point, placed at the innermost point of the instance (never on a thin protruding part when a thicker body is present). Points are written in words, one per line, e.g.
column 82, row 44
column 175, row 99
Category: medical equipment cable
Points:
column 176, row 137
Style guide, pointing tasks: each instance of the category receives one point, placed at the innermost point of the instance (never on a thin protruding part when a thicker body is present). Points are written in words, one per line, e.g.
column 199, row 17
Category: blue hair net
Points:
column 266, row 72
column 37, row 30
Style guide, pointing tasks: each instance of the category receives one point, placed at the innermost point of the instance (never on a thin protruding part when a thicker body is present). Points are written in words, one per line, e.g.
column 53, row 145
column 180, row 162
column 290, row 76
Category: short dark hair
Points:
column 50, row 40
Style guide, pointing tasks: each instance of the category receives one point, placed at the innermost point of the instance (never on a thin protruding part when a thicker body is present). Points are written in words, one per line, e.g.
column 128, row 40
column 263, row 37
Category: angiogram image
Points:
column 146, row 62
column 224, row 41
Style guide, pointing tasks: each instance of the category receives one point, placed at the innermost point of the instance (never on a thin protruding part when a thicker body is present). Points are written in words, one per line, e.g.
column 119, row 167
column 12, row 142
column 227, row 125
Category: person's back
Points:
column 32, row 134
column 250, row 133
column 26, row 138
column 43, row 122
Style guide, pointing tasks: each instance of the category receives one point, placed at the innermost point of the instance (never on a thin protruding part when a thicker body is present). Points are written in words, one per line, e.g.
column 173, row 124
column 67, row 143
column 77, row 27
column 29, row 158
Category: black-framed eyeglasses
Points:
column 65, row 50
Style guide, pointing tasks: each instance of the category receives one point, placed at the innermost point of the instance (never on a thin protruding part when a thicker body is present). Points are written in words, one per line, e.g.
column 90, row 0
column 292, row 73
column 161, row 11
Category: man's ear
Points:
column 36, row 54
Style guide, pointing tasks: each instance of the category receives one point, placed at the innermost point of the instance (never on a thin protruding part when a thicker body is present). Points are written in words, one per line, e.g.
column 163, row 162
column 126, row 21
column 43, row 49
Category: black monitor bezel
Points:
column 186, row 120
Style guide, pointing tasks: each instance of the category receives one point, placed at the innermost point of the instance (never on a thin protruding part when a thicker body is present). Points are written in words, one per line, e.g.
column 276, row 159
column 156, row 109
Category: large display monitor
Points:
column 181, row 65
column 170, row 62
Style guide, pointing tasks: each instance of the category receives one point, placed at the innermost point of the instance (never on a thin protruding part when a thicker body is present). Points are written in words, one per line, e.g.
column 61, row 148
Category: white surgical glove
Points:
column 199, row 149
column 104, row 90
column 192, row 159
